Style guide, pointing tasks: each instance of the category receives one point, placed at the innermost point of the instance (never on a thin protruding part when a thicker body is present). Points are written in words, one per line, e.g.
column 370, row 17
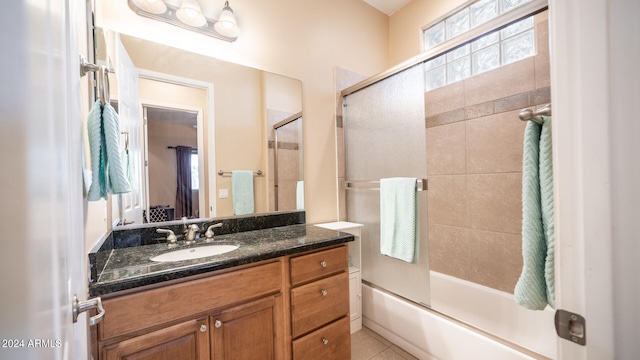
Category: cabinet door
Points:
column 250, row 331
column 188, row 341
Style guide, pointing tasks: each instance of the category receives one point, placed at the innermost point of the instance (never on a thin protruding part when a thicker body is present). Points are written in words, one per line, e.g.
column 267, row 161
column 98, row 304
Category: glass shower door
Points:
column 384, row 135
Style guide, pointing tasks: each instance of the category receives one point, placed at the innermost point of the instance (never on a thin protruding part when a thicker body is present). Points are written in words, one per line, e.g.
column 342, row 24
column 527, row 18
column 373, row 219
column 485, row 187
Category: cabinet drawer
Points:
column 316, row 265
column 330, row 342
column 319, row 302
column 134, row 312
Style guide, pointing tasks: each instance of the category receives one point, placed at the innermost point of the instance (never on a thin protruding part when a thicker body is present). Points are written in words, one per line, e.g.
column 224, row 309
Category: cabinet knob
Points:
column 325, row 342
column 323, row 292
column 203, row 328
column 323, row 264
column 217, row 324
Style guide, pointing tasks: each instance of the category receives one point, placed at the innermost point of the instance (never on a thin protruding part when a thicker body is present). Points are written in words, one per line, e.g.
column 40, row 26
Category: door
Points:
column 247, row 331
column 43, row 265
column 596, row 172
column 130, row 205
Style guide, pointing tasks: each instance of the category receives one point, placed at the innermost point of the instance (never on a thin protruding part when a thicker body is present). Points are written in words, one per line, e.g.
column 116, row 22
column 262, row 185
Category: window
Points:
column 502, row 47
column 195, row 178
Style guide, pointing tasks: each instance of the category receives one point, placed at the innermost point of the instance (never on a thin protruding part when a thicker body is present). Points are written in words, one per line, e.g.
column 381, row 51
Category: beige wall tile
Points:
column 272, row 198
column 504, row 81
column 494, row 143
column 443, row 99
column 449, row 250
column 287, row 194
column 445, row 118
column 542, row 68
column 447, row 204
column 479, row 110
column 288, row 164
column 541, row 96
column 513, row 102
column 494, row 202
column 446, row 149
column 496, row 260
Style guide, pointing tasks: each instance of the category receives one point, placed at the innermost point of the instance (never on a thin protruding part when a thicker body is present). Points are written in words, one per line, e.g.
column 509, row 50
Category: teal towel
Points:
column 108, row 174
column 242, row 191
column 399, row 229
column 536, row 286
column 300, row 195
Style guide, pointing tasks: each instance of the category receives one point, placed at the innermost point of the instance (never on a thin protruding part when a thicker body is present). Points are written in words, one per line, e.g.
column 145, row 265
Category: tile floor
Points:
column 367, row 345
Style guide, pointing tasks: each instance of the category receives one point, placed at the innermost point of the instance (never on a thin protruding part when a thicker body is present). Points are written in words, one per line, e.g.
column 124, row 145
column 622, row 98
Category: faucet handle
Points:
column 171, row 237
column 209, row 233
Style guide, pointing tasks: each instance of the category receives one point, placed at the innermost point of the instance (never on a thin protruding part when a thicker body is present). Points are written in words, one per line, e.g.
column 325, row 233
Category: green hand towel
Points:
column 546, row 201
column 118, row 183
column 98, row 188
column 399, row 218
column 242, row 191
column 535, row 287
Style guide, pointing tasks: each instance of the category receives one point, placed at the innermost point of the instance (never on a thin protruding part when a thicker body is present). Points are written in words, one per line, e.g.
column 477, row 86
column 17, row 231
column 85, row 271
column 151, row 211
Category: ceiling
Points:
column 388, row 6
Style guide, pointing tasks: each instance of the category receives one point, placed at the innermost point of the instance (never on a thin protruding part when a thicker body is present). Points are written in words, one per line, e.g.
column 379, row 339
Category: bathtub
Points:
column 430, row 335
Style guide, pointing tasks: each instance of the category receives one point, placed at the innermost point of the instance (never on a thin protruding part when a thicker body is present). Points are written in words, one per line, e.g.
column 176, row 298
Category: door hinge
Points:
column 571, row 326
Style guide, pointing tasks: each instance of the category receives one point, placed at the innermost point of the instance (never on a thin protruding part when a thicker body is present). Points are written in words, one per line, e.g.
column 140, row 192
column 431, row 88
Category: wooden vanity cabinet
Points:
column 247, row 332
column 320, row 305
column 235, row 315
column 291, row 307
column 184, row 341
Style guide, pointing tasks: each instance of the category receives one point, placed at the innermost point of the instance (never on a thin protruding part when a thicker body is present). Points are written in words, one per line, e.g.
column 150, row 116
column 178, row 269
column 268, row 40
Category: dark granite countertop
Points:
column 131, row 267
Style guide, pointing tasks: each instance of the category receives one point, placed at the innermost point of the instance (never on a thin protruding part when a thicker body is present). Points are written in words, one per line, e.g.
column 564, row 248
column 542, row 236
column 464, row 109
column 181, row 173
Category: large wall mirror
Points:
column 199, row 117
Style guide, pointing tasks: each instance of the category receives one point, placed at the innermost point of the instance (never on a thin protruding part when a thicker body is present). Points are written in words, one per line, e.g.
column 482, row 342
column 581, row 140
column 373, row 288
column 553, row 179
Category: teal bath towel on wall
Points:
column 108, row 175
column 242, row 191
column 536, row 285
column 399, row 218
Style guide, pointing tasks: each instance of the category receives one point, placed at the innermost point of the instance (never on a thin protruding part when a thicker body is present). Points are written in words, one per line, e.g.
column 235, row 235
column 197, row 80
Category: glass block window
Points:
column 513, row 43
column 195, row 176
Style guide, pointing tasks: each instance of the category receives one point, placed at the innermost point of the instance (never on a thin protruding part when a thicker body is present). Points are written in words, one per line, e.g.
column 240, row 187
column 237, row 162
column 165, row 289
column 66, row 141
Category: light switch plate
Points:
column 223, row 193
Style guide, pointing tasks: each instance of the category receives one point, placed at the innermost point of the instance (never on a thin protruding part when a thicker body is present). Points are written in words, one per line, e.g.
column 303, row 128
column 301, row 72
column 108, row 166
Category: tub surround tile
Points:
column 131, row 267
column 514, row 102
column 447, row 204
column 495, row 202
column 445, row 118
column 540, row 96
column 542, row 63
column 489, row 246
column 449, row 250
column 479, row 110
column 443, row 99
column 505, row 81
column 494, row 143
column 446, row 149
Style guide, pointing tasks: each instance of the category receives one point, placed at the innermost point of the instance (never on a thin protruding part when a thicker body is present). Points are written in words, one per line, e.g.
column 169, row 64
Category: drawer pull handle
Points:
column 203, row 328
column 323, row 264
column 323, row 292
column 217, row 324
column 325, row 342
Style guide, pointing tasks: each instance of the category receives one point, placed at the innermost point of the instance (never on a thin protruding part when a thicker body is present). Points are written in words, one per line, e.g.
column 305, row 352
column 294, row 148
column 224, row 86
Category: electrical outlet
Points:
column 223, row 193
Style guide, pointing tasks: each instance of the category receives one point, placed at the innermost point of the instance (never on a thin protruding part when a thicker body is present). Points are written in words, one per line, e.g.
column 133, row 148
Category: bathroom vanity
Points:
column 283, row 294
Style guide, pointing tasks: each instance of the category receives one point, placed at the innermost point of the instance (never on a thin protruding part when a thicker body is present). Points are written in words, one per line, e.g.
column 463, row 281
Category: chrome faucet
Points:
column 209, row 233
column 171, row 237
column 190, row 236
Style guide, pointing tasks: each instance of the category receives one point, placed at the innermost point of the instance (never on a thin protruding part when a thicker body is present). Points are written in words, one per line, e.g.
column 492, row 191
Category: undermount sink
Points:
column 194, row 253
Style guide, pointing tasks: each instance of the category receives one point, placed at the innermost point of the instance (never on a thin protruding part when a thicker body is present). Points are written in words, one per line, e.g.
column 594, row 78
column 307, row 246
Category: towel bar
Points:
column 228, row 173
column 352, row 184
column 528, row 114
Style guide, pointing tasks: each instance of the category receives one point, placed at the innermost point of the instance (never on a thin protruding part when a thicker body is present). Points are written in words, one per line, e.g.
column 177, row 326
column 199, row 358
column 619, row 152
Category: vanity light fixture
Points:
column 189, row 16
column 226, row 24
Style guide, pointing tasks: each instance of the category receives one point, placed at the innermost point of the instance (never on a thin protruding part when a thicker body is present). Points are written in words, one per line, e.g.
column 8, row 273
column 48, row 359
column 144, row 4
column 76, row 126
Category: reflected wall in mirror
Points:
column 234, row 108
column 285, row 155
